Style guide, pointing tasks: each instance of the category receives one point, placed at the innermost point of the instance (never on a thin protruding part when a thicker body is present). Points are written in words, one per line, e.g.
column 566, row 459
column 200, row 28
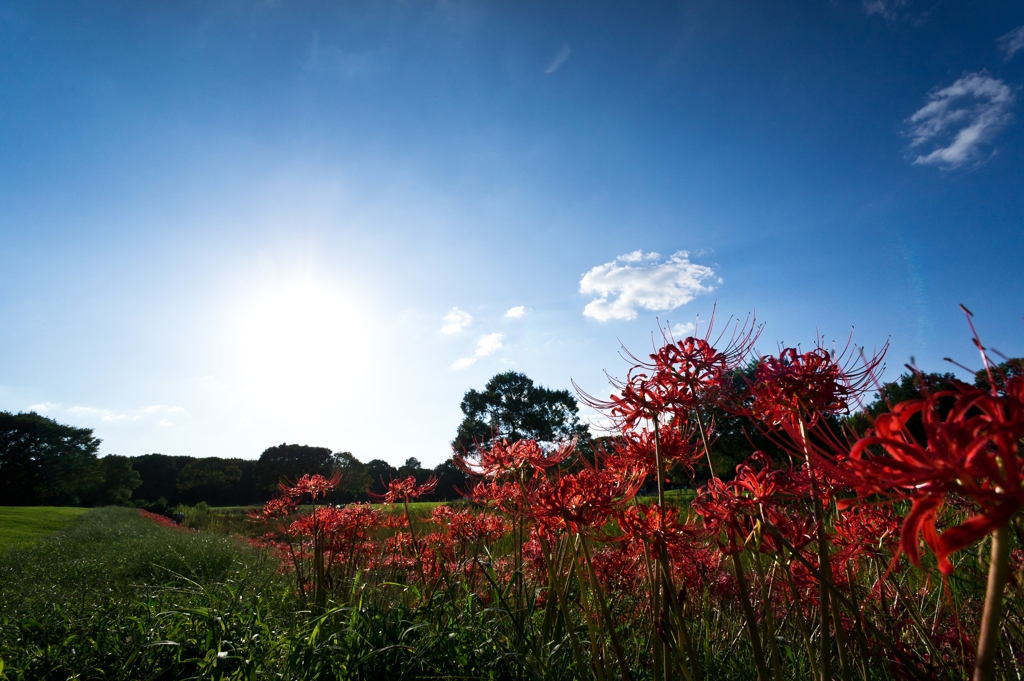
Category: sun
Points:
column 300, row 345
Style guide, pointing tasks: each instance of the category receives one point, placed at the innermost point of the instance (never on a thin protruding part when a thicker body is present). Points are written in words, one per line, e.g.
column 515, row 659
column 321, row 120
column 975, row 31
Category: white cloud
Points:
column 884, row 8
column 638, row 280
column 43, row 407
column 516, row 312
column 560, row 57
column 684, row 330
column 489, row 344
column 486, row 345
column 456, row 320
column 1012, row 42
column 104, row 415
column 111, row 416
column 463, row 362
column 959, row 119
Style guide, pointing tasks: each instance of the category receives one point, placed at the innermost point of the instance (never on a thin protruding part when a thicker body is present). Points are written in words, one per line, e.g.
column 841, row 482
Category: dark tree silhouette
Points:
column 355, row 480
column 380, row 472
column 159, row 473
column 290, row 462
column 210, row 479
column 45, row 462
column 512, row 407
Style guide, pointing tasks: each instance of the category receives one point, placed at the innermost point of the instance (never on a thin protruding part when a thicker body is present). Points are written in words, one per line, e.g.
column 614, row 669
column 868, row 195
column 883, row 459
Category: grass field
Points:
column 115, row 596
column 21, row 525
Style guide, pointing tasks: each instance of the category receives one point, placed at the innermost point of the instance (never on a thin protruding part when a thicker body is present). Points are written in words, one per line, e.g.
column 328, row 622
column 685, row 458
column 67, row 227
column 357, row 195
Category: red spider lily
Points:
column 583, row 500
column 533, row 552
column 619, row 568
column 634, row 451
column 466, row 527
column 973, row 452
column 805, row 386
column 324, row 519
column 164, row 520
column 867, row 531
column 797, row 527
column 315, row 486
column 760, row 484
column 658, row 528
column 757, row 493
column 641, row 397
column 405, row 489
column 696, row 364
column 726, row 512
column 798, row 385
column 343, row 526
column 275, row 508
column 505, row 458
column 677, row 377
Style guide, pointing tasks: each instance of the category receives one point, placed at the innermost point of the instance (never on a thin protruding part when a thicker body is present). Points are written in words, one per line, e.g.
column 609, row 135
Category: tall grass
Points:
column 116, row 596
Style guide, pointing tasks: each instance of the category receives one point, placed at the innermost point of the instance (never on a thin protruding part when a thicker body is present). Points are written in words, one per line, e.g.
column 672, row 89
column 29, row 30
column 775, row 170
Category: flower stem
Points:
column 988, row 639
column 748, row 614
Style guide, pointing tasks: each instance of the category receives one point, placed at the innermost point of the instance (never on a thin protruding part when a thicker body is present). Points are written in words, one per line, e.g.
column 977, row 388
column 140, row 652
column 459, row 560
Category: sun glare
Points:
column 301, row 346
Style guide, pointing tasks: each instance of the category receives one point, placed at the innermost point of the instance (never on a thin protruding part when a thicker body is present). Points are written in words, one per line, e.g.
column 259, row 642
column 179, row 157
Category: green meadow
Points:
column 21, row 525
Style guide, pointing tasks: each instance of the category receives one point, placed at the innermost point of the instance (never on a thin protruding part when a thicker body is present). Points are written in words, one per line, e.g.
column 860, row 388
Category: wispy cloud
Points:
column 43, row 407
column 888, row 9
column 456, row 320
column 516, row 312
column 486, row 345
column 1012, row 43
column 898, row 10
column 489, row 344
column 329, row 59
column 111, row 416
column 641, row 280
column 957, row 121
column 104, row 415
column 560, row 57
column 680, row 331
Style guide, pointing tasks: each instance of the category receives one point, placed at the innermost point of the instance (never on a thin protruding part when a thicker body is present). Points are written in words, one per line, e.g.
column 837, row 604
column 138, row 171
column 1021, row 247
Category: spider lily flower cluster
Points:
column 807, row 555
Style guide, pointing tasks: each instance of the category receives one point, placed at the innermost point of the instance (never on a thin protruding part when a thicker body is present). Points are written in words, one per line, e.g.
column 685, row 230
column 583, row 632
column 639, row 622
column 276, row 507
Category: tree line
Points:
column 43, row 462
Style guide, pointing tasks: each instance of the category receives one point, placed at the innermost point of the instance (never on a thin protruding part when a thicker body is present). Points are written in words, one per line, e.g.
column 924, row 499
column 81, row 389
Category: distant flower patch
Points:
column 164, row 520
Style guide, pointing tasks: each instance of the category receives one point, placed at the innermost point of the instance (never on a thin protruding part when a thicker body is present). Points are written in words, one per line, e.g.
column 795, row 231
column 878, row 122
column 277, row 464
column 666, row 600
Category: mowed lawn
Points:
column 21, row 525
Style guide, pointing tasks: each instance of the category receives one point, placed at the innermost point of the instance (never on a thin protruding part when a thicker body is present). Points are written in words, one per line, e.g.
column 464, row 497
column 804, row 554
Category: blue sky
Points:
column 227, row 225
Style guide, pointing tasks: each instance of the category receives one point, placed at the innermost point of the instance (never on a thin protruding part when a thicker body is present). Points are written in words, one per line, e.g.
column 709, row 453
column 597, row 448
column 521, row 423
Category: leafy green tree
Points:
column 510, row 406
column 289, row 463
column 413, row 467
column 159, row 473
column 380, row 472
column 907, row 387
column 1004, row 370
column 355, row 480
column 45, row 462
column 119, row 480
column 209, row 479
column 452, row 482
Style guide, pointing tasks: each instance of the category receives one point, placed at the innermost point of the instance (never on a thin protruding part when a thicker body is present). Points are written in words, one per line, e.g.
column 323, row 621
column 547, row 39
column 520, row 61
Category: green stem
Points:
column 555, row 592
column 988, row 639
column 884, row 640
column 801, row 620
column 703, row 438
column 769, row 616
column 603, row 603
column 660, row 649
column 748, row 614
